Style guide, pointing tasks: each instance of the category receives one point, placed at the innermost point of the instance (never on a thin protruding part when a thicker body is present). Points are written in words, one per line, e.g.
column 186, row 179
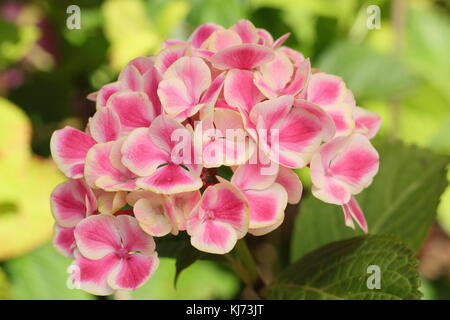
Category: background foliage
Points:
column 400, row 71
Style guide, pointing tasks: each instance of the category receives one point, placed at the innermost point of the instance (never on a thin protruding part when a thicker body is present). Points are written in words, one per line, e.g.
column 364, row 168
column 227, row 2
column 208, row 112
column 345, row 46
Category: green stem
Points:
column 243, row 263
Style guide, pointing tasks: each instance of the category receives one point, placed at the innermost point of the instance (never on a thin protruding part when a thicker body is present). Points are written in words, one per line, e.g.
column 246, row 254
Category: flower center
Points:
column 207, row 214
column 122, row 253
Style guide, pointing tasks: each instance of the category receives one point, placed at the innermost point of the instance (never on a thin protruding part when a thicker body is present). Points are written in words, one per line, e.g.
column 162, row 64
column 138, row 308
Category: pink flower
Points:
column 160, row 165
column 159, row 214
column 226, row 99
column 141, row 75
column 366, row 122
column 282, row 75
column 223, row 139
column 343, row 167
column 71, row 202
column 289, row 132
column 219, row 220
column 187, row 87
column 105, row 170
column 329, row 92
column 267, row 194
column 113, row 253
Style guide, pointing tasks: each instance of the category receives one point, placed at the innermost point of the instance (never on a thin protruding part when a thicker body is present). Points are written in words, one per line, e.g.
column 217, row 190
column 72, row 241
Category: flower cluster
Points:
column 151, row 161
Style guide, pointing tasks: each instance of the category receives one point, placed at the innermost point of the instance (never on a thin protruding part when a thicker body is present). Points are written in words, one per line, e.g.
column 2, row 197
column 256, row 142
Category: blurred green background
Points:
column 400, row 70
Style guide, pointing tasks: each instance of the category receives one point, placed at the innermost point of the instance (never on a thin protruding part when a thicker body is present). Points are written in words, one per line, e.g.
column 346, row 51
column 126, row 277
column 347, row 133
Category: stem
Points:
column 242, row 262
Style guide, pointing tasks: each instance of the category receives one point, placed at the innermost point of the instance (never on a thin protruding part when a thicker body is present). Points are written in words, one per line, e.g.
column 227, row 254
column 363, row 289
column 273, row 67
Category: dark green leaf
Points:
column 402, row 201
column 186, row 257
column 339, row 270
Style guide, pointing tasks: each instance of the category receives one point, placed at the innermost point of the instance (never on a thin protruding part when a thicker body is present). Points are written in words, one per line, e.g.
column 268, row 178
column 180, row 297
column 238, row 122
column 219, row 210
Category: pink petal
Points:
column 172, row 137
column 193, row 71
column 279, row 42
column 326, row 89
column 202, row 33
column 175, row 99
column 367, row 123
column 240, row 91
column 332, row 191
column 246, row 31
column 212, row 93
column 72, row 201
column 300, row 79
column 183, row 84
column 268, row 114
column 327, row 123
column 142, row 64
column 105, row 92
column 180, row 206
column 276, row 73
column 353, row 209
column 266, row 206
column 222, row 39
column 151, row 217
column 214, row 237
column 64, row 240
column 168, row 56
column 172, row 42
column 69, row 147
column 133, row 238
column 357, row 164
column 133, row 272
column 150, row 82
column 130, row 78
column 97, row 236
column 343, row 167
column 265, row 38
column 92, row 275
column 140, row 155
column 245, row 56
column 134, row 110
column 296, row 57
column 222, row 202
column 300, row 134
column 348, row 220
column 170, row 179
column 110, row 202
column 104, row 126
column 103, row 171
column 250, row 176
column 291, row 183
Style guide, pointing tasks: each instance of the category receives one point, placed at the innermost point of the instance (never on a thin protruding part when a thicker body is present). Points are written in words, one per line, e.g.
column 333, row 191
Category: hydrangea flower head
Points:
column 230, row 98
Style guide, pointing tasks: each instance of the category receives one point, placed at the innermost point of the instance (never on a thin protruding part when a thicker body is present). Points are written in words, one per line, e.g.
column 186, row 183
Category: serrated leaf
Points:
column 402, row 201
column 339, row 271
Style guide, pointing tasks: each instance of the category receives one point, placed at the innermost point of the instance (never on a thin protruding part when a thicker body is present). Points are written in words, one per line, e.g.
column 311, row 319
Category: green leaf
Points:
column 427, row 44
column 5, row 292
column 185, row 258
column 42, row 274
column 367, row 73
column 402, row 201
column 201, row 280
column 339, row 271
column 221, row 12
